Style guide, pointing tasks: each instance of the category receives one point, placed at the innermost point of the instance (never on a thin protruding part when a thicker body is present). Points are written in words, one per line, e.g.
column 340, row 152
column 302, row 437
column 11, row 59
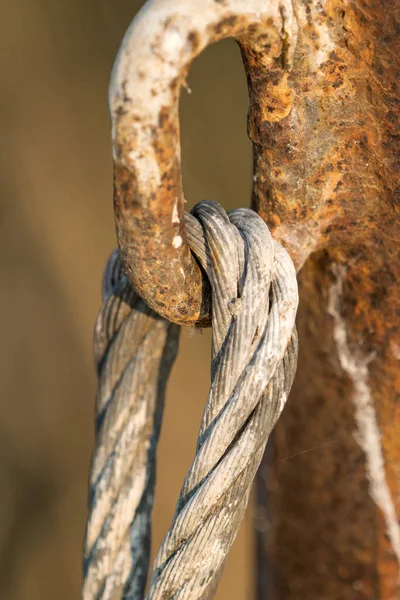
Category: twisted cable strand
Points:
column 134, row 352
column 254, row 356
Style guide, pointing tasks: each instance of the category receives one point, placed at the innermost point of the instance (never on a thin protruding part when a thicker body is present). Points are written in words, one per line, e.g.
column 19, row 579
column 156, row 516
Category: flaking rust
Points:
column 327, row 183
column 323, row 119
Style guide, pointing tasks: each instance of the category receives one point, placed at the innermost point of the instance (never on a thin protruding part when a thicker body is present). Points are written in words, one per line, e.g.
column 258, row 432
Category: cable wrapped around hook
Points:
column 254, row 357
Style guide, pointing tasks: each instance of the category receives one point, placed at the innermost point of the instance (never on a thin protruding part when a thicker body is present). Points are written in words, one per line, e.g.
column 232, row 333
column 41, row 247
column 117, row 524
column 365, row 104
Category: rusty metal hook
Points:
column 152, row 63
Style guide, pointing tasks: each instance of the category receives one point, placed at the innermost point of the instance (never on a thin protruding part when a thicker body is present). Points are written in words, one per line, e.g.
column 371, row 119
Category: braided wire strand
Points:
column 254, row 358
column 134, row 352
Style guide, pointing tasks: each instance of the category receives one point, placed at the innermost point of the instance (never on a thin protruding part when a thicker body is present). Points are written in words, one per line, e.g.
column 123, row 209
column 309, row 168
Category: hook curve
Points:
column 152, row 63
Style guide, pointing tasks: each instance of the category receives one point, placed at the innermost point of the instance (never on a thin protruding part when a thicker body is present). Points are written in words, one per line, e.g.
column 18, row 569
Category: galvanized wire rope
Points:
column 254, row 355
column 134, row 351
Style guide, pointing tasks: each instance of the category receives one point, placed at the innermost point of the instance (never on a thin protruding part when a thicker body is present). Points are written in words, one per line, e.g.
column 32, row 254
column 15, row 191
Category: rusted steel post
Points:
column 326, row 139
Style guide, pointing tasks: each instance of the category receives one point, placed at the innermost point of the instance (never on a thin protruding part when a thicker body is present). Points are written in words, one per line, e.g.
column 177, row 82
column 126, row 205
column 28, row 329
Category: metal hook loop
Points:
column 151, row 65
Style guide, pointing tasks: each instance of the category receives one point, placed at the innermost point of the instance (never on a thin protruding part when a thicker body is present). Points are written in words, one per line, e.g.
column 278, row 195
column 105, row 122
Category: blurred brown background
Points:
column 56, row 232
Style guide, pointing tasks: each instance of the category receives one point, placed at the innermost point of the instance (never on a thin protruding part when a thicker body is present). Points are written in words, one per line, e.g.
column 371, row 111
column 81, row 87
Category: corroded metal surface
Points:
column 151, row 67
column 323, row 119
column 327, row 181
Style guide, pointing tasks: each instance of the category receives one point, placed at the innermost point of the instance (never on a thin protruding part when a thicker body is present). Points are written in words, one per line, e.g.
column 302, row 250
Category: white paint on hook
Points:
column 313, row 11
column 177, row 241
column 156, row 52
column 146, row 163
column 175, row 215
column 368, row 435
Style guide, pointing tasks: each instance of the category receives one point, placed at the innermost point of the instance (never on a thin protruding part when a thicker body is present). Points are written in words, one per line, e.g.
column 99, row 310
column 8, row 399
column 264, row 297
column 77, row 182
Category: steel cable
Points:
column 134, row 352
column 254, row 357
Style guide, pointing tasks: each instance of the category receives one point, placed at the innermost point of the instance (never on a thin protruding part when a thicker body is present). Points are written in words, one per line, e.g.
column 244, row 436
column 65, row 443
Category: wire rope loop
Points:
column 254, row 356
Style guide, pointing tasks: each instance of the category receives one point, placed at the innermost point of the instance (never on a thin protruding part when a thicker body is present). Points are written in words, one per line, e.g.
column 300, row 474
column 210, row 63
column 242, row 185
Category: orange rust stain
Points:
column 279, row 98
column 327, row 172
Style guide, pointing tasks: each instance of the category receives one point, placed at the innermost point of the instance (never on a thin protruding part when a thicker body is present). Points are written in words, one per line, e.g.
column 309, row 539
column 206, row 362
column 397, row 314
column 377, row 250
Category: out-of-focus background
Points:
column 56, row 231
